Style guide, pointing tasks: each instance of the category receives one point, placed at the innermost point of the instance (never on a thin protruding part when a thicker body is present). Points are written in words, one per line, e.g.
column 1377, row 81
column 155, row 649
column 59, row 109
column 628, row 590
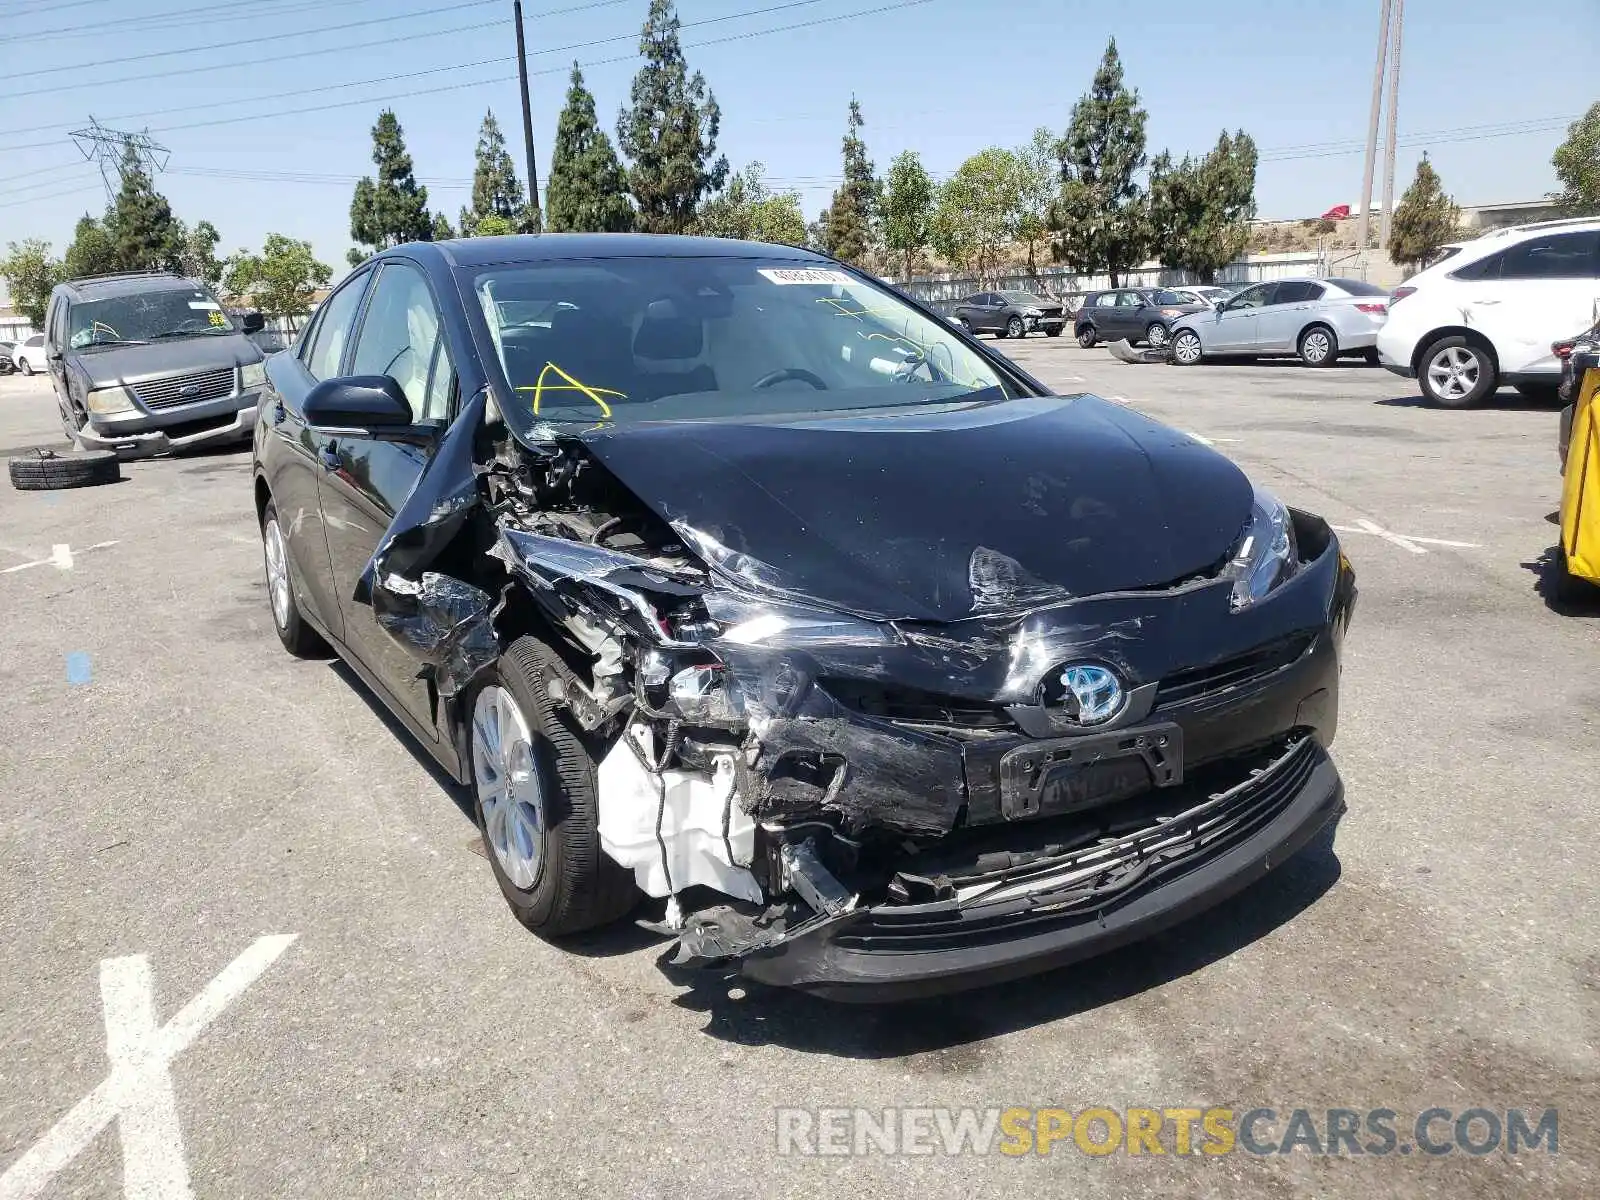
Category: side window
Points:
column 1557, row 256
column 1129, row 300
column 1296, row 292
column 1106, row 300
column 56, row 323
column 1484, row 268
column 400, row 334
column 441, row 385
column 332, row 333
column 1253, row 297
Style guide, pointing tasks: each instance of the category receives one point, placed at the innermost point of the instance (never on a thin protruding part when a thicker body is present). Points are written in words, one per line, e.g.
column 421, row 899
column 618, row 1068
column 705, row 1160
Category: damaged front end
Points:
column 890, row 792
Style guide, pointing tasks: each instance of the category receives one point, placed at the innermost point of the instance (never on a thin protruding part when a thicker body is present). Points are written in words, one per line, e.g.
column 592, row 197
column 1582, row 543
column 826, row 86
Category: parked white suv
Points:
column 1487, row 313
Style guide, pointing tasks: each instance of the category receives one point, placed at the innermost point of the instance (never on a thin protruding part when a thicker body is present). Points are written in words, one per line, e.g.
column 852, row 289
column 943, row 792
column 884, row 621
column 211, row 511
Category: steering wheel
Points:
column 783, row 375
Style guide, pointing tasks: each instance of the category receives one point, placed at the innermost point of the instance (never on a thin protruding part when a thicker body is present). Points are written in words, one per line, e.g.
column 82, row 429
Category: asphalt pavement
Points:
column 179, row 789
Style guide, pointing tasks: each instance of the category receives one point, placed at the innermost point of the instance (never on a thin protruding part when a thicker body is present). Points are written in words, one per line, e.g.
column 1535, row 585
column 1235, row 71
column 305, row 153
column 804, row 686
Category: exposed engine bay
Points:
column 807, row 761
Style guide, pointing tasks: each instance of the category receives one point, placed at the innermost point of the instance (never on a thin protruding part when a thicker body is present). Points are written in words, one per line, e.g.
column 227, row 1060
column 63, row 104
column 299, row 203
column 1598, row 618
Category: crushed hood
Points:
column 939, row 513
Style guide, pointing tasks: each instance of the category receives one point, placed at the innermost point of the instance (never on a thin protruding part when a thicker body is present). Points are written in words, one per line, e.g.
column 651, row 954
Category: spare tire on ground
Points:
column 47, row 470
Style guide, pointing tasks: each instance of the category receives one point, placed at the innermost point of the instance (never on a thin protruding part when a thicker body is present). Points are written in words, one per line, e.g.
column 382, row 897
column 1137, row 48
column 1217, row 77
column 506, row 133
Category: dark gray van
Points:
column 148, row 362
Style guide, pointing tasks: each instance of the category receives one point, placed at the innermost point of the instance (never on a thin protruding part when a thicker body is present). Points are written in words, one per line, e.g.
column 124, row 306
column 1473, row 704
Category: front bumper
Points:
column 1157, row 877
column 137, row 433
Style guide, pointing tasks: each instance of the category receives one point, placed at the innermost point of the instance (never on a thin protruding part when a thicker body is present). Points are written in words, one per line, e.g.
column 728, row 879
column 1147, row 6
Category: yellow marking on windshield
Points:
column 540, row 387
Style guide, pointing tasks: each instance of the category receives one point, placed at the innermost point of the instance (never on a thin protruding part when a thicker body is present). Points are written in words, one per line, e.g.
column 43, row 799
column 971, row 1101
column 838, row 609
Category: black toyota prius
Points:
column 722, row 574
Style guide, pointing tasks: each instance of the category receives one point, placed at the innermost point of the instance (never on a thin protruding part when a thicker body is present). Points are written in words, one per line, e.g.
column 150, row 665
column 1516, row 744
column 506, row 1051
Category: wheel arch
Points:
column 1473, row 336
column 263, row 497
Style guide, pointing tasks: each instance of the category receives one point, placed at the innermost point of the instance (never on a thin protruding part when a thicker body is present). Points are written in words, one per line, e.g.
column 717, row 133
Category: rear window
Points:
column 1359, row 287
column 1164, row 297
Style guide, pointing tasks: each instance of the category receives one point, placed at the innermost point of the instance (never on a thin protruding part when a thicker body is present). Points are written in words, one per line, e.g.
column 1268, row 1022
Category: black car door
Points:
column 288, row 448
column 970, row 311
column 981, row 312
column 363, row 480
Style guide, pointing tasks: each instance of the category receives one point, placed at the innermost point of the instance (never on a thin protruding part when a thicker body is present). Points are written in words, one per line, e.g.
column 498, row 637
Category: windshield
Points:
column 171, row 313
column 1026, row 298
column 636, row 339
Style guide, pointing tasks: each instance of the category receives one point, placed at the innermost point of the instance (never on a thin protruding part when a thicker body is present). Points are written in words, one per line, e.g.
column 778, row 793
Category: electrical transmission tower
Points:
column 114, row 151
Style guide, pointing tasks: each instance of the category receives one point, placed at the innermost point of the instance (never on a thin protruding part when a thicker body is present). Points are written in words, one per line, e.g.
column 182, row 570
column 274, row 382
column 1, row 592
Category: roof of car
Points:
column 473, row 252
column 98, row 287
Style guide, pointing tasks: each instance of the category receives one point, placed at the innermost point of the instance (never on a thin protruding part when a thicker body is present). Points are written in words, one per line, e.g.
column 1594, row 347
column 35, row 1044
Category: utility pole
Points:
column 1363, row 220
column 1399, row 23
column 527, row 121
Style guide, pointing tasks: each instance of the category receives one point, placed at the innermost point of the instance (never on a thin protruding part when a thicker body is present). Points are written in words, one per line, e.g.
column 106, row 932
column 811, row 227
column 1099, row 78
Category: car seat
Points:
column 664, row 343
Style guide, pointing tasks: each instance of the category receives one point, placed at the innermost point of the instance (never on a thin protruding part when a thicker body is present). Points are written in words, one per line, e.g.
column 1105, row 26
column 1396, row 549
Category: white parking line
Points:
column 1406, row 541
column 138, row 1094
column 60, row 557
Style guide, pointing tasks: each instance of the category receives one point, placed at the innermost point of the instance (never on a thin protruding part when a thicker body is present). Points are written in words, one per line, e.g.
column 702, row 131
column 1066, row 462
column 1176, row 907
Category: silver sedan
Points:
column 1317, row 319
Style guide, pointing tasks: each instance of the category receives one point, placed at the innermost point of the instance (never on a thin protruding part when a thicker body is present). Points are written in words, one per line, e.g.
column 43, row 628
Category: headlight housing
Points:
column 1033, row 312
column 1266, row 556
column 252, row 375
column 109, row 400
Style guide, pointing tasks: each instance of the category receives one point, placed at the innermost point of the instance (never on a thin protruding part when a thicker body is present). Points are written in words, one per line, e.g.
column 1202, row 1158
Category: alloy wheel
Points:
column 510, row 788
column 277, row 558
column 1453, row 372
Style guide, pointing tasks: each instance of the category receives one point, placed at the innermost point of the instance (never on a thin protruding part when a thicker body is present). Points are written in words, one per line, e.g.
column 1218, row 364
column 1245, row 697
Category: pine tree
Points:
column 395, row 208
column 588, row 190
column 145, row 236
column 855, row 204
column 1100, row 216
column 496, row 190
column 1424, row 220
column 1200, row 210
column 670, row 132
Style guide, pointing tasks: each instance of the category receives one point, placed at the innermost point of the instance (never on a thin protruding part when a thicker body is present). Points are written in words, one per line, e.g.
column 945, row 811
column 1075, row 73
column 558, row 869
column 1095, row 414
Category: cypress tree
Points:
column 394, row 209
column 588, row 189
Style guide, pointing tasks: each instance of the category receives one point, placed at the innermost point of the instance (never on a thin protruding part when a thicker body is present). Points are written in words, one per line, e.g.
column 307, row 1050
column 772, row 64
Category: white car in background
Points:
column 1487, row 313
column 1317, row 319
column 28, row 355
column 1204, row 293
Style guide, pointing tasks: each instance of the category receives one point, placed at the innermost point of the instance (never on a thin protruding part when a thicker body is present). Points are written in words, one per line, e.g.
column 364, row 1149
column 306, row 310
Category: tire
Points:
column 49, row 470
column 966, row 325
column 1371, row 357
column 1015, row 328
column 1087, row 336
column 24, row 366
column 574, row 885
column 1053, row 331
column 1318, row 346
column 1460, row 389
column 1186, row 348
column 298, row 638
column 1156, row 336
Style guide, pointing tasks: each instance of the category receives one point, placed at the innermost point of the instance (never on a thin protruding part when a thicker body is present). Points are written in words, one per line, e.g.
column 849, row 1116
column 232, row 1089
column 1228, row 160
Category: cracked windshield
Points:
column 148, row 317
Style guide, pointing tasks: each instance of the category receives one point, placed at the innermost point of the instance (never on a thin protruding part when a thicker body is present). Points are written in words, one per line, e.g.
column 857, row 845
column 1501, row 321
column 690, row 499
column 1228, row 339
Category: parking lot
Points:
column 179, row 788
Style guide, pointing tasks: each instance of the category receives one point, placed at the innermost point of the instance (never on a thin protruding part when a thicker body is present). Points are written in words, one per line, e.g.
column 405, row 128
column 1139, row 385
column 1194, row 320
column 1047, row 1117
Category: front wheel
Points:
column 1186, row 348
column 1015, row 328
column 1455, row 373
column 537, row 802
column 1087, row 336
column 1318, row 347
column 25, row 366
column 1053, row 331
column 1156, row 335
column 298, row 638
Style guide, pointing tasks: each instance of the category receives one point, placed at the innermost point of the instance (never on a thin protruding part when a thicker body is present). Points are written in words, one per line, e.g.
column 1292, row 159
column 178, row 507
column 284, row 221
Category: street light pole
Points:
column 1363, row 220
column 536, row 217
column 1399, row 22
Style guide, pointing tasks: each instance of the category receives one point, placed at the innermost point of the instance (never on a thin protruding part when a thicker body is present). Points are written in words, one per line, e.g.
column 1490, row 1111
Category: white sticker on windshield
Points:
column 205, row 305
column 806, row 275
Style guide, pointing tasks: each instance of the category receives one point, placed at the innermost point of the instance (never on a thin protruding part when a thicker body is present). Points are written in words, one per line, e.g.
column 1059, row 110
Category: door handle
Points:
column 328, row 456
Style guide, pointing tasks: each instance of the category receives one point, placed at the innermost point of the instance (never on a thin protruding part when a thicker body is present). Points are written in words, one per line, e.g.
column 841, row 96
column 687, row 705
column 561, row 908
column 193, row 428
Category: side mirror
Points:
column 369, row 403
column 253, row 322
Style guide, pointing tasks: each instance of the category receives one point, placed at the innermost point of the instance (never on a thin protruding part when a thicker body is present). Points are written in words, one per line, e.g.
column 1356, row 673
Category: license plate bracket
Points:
column 1065, row 775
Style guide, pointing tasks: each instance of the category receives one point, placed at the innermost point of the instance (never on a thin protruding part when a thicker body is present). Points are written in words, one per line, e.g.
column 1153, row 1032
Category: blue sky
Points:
column 943, row 77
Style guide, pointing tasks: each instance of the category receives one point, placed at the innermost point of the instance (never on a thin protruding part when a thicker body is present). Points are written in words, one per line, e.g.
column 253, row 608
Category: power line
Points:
column 45, row 183
column 486, row 62
column 345, row 48
column 454, row 87
column 214, row 14
column 233, row 44
column 77, row 191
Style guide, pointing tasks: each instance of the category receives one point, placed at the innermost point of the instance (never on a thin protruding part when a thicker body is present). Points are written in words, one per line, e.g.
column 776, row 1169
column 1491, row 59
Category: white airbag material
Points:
column 691, row 825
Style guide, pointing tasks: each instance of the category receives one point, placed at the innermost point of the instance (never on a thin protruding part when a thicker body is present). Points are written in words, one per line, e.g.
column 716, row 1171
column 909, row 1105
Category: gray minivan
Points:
column 148, row 362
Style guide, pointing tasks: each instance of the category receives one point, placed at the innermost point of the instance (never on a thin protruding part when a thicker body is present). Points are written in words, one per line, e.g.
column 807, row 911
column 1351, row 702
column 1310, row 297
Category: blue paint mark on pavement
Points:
column 78, row 669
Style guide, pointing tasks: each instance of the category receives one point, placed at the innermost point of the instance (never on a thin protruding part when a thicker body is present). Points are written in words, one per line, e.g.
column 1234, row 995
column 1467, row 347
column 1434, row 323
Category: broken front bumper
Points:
column 1075, row 905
